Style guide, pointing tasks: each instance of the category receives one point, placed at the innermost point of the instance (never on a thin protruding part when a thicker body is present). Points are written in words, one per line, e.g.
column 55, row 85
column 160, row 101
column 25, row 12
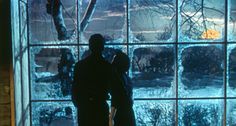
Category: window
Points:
column 183, row 58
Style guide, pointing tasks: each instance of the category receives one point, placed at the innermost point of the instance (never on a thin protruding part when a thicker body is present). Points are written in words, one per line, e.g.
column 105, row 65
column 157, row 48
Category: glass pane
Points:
column 108, row 52
column 154, row 113
column 52, row 71
column 108, row 19
column 201, row 70
column 153, row 20
column 201, row 20
column 23, row 25
column 54, row 114
column 201, row 112
column 231, row 51
column 231, row 112
column 152, row 71
column 43, row 25
column 232, row 21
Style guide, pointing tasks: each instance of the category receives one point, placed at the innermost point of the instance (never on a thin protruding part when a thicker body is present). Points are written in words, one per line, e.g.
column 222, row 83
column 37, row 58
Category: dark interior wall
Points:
column 5, row 33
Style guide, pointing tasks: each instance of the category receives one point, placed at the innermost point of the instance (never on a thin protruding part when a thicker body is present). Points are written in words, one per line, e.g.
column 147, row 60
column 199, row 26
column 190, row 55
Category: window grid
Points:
column 176, row 43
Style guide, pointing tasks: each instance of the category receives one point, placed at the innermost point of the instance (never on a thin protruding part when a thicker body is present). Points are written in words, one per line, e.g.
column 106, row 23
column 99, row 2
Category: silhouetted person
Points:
column 122, row 111
column 93, row 79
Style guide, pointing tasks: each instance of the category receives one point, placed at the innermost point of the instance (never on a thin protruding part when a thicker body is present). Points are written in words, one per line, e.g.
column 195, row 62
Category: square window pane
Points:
column 108, row 52
column 201, row 112
column 231, row 112
column 231, row 60
column 232, row 20
column 42, row 26
column 52, row 71
column 54, row 114
column 201, row 20
column 153, row 20
column 154, row 113
column 201, row 70
column 108, row 19
column 152, row 71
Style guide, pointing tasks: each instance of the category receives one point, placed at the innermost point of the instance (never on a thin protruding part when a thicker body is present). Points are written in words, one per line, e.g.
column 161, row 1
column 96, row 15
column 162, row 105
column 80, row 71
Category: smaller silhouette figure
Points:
column 121, row 111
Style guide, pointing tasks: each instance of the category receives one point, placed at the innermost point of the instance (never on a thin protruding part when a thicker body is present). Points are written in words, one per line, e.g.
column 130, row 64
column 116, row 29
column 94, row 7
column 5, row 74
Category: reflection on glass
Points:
column 53, row 114
column 108, row 52
column 52, row 72
column 44, row 27
column 153, row 20
column 107, row 19
column 231, row 112
column 231, row 60
column 201, row 71
column 232, row 21
column 201, row 20
column 23, row 20
column 152, row 71
column 200, row 113
column 154, row 113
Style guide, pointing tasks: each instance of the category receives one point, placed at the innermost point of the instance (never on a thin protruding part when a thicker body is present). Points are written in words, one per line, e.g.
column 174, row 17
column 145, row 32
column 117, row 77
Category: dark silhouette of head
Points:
column 121, row 61
column 96, row 44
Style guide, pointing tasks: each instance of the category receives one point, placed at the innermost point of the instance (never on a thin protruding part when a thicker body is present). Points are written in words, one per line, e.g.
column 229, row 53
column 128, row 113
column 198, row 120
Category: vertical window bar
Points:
column 176, row 61
column 225, row 63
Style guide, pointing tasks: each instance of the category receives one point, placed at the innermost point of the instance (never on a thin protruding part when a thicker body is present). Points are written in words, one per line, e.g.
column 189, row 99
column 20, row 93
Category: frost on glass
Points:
column 52, row 72
column 153, row 20
column 201, row 20
column 231, row 60
column 232, row 21
column 108, row 19
column 231, row 112
column 23, row 25
column 152, row 71
column 200, row 113
column 201, row 71
column 41, row 24
column 154, row 113
column 54, row 114
column 108, row 53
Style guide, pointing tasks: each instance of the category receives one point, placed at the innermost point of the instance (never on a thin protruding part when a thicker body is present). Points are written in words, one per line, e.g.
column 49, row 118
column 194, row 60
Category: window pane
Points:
column 23, row 25
column 53, row 114
column 201, row 20
column 231, row 112
column 108, row 19
column 232, row 70
column 201, row 71
column 232, row 21
column 154, row 113
column 42, row 28
column 153, row 20
column 52, row 71
column 152, row 71
column 201, row 113
column 108, row 52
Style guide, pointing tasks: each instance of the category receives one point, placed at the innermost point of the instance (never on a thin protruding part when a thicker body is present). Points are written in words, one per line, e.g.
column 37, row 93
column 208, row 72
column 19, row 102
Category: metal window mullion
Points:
column 225, row 63
column 176, row 62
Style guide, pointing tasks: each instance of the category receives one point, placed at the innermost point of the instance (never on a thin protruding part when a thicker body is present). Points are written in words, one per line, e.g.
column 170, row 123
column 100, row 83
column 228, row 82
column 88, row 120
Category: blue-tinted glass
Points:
column 201, row 71
column 52, row 72
column 152, row 71
column 231, row 60
column 231, row 112
column 201, row 20
column 153, row 20
column 54, row 114
column 41, row 22
column 154, row 113
column 108, row 19
column 200, row 112
column 23, row 25
column 108, row 52
column 232, row 21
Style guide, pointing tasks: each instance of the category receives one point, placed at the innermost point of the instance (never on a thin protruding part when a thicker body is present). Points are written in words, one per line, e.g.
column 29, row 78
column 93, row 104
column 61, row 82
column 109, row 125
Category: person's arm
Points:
column 112, row 115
